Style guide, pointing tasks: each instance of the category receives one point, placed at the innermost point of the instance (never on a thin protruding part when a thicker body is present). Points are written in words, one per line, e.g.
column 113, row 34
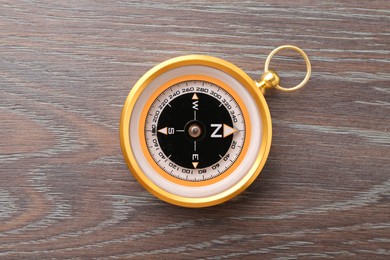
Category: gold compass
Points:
column 196, row 130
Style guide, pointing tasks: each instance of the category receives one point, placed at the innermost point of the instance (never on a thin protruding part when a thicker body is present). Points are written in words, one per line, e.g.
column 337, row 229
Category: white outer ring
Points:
column 234, row 177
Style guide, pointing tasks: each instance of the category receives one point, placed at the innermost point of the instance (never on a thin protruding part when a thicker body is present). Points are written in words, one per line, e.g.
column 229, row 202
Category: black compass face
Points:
column 195, row 130
column 197, row 120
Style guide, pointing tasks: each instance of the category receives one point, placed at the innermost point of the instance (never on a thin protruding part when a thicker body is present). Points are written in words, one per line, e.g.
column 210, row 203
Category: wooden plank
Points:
column 66, row 68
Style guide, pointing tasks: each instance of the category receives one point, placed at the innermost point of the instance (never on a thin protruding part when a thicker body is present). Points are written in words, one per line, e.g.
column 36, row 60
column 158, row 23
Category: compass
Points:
column 196, row 130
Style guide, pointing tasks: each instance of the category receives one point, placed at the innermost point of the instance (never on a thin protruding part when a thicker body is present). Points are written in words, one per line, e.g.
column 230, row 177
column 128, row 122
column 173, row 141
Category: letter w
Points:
column 195, row 105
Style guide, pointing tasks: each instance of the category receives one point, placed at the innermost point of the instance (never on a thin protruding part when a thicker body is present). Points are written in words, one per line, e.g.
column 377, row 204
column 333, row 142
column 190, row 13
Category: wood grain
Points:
column 66, row 68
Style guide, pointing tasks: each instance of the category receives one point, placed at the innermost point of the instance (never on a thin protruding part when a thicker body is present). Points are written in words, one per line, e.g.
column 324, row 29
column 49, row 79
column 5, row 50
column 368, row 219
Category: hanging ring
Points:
column 307, row 61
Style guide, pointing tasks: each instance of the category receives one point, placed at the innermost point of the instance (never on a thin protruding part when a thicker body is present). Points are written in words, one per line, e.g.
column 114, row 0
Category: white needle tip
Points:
column 227, row 130
column 164, row 130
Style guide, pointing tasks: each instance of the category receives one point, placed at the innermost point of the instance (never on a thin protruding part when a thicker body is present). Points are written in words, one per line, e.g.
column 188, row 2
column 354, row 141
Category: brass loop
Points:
column 307, row 61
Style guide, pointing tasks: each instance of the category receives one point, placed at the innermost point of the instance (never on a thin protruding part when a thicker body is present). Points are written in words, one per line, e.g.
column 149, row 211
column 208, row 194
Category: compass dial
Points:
column 194, row 130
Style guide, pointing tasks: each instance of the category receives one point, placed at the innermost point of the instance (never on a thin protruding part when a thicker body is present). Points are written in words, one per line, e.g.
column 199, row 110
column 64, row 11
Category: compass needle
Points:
column 164, row 130
column 227, row 130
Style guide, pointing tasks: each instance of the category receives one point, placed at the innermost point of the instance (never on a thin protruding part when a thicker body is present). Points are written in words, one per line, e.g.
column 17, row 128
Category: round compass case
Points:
column 196, row 130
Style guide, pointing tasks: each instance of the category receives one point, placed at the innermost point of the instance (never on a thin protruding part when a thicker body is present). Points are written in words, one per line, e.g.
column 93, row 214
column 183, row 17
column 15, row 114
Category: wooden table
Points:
column 66, row 68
